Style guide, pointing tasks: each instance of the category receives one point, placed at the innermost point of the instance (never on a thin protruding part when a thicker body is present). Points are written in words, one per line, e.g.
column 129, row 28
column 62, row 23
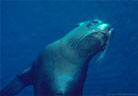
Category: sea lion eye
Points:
column 89, row 24
column 77, row 25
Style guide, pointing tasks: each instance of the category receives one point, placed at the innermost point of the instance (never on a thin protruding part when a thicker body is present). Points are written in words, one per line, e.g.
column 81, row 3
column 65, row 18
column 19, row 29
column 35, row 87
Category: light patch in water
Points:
column 62, row 81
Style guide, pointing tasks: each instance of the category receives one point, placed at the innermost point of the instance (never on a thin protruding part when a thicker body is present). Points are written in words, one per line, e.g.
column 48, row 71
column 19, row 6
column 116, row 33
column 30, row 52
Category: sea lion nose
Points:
column 104, row 27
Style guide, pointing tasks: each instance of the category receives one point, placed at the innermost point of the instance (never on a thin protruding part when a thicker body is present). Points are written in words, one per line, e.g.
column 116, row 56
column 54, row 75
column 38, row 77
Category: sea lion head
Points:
column 89, row 37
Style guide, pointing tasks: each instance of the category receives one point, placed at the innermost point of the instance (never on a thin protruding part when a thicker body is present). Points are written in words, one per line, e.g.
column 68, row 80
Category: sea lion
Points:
column 61, row 67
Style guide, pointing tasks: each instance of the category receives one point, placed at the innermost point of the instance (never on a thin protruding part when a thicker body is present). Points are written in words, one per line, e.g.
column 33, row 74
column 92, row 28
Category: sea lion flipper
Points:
column 13, row 88
column 27, row 76
column 22, row 80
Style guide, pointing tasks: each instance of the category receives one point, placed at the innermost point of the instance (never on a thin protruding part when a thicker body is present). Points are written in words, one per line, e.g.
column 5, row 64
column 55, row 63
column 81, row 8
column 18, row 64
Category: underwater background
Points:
column 27, row 26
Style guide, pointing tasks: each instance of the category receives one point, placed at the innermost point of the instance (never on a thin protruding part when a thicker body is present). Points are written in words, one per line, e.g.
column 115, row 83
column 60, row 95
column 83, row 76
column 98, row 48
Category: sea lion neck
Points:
column 66, row 50
column 70, row 50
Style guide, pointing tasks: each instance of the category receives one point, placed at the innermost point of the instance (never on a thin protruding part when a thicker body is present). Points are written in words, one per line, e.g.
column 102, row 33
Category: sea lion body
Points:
column 59, row 75
column 61, row 67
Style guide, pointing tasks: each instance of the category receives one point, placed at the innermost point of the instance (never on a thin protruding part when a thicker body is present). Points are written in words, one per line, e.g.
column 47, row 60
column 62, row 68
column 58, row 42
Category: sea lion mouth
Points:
column 93, row 40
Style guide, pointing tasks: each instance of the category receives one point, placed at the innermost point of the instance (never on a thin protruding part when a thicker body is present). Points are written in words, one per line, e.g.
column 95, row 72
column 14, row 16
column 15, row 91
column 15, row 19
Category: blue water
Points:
column 27, row 26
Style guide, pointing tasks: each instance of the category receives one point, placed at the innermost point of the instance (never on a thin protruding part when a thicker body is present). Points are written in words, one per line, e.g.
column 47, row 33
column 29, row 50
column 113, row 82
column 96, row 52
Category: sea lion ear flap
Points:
column 18, row 83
